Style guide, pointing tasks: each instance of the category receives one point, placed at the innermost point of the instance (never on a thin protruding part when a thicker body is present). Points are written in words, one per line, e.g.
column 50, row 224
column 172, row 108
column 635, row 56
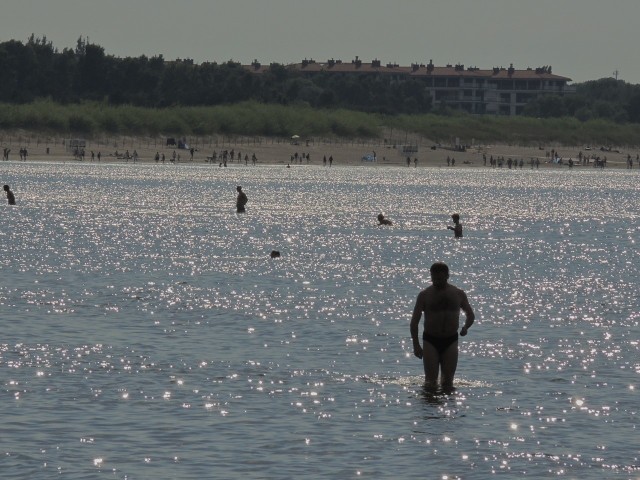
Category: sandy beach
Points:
column 278, row 151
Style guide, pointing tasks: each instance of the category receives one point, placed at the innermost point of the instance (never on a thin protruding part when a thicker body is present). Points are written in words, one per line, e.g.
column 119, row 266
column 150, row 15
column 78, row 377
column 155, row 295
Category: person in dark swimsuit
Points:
column 383, row 221
column 11, row 198
column 441, row 304
column 241, row 201
column 457, row 227
column 441, row 344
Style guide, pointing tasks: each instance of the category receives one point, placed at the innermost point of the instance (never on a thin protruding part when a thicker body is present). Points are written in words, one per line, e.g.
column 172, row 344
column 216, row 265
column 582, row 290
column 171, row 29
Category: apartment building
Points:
column 496, row 91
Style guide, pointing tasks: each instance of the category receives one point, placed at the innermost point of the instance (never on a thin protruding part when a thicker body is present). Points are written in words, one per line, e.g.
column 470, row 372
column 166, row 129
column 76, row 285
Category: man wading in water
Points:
column 241, row 200
column 441, row 304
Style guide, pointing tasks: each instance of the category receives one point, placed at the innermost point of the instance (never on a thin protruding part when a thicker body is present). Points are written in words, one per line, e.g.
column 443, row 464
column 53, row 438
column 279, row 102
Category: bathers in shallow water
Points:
column 441, row 344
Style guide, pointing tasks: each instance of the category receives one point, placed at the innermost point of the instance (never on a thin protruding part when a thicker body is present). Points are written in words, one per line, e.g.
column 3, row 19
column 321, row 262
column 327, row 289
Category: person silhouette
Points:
column 11, row 198
column 441, row 304
column 241, row 201
column 383, row 221
column 457, row 228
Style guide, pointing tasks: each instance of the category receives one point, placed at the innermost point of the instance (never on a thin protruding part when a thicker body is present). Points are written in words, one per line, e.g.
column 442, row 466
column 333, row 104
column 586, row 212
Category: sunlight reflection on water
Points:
column 148, row 334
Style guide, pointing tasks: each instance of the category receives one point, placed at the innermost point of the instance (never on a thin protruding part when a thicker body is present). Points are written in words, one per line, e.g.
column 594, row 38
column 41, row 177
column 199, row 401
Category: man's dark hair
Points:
column 439, row 267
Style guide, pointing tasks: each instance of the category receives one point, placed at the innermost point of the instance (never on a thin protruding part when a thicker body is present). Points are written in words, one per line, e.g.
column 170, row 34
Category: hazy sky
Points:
column 580, row 39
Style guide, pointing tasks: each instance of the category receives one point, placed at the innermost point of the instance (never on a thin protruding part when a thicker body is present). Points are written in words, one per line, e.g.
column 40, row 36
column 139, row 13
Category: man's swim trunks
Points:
column 441, row 344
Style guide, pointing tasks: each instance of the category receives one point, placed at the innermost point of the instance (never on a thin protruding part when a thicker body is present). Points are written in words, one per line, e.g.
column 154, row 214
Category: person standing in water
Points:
column 441, row 304
column 241, row 200
column 457, row 227
column 11, row 198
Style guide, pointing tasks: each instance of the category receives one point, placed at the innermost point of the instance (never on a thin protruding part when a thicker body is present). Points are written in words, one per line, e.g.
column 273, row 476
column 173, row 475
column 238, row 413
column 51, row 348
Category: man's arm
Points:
column 415, row 321
column 468, row 312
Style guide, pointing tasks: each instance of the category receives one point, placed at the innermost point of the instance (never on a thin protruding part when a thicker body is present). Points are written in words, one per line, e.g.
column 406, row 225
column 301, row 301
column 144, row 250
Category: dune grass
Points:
column 257, row 119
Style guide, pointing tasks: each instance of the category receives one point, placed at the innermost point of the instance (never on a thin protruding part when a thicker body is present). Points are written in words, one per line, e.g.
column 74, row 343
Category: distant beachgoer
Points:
column 383, row 221
column 457, row 227
column 10, row 196
column 441, row 304
column 241, row 201
column 330, row 160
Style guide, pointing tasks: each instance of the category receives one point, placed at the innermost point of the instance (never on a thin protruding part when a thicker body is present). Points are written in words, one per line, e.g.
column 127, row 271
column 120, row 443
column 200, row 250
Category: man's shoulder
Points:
column 457, row 290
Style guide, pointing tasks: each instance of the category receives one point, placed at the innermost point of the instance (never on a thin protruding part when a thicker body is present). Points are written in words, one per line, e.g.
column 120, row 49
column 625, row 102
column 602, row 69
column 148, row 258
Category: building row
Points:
column 497, row 91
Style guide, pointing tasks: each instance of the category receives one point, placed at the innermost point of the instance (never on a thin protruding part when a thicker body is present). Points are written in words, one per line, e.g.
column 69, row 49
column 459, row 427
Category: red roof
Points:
column 415, row 70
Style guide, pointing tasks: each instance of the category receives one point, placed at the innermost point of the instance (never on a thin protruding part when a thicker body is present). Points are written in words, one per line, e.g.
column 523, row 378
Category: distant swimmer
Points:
column 242, row 200
column 441, row 304
column 11, row 198
column 457, row 227
column 274, row 254
column 383, row 221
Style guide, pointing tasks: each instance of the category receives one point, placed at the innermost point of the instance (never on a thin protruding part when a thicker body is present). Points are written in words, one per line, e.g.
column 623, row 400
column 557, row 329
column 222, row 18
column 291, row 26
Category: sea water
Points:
column 146, row 333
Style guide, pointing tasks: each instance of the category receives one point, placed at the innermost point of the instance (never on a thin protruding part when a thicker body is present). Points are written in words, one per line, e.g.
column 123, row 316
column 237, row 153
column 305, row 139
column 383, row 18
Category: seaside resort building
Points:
column 499, row 91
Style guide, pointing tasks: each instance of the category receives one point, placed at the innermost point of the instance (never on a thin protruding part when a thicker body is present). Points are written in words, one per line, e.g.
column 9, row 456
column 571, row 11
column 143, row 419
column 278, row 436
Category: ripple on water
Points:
column 146, row 332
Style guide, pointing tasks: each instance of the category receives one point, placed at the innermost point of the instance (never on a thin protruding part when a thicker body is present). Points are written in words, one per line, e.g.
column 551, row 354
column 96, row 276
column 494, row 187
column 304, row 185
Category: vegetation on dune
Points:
column 87, row 92
column 256, row 119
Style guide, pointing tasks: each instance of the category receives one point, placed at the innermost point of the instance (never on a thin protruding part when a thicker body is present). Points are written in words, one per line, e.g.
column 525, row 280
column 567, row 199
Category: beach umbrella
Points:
column 295, row 136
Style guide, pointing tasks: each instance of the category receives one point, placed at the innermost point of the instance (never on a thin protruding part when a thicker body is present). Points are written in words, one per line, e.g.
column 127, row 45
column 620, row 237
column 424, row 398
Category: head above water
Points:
column 455, row 217
column 380, row 217
column 439, row 267
column 439, row 274
column 6, row 188
column 239, row 188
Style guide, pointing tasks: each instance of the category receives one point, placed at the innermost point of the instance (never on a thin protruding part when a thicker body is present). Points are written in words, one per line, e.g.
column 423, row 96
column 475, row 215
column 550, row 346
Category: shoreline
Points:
column 278, row 151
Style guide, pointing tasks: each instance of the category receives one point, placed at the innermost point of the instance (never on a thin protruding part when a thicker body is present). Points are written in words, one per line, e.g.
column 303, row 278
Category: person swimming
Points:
column 383, row 221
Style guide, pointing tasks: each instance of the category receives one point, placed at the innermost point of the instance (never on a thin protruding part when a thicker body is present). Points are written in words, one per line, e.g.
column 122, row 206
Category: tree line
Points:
column 37, row 70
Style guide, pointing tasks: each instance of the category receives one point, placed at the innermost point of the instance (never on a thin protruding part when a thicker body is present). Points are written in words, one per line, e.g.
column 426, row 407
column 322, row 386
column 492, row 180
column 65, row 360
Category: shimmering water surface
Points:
column 146, row 333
